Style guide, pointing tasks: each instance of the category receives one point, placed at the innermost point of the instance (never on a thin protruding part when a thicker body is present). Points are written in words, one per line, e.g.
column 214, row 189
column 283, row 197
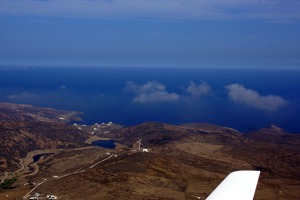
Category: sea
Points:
column 243, row 99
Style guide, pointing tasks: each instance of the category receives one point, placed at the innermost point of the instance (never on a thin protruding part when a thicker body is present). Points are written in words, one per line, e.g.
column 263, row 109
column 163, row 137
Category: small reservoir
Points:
column 109, row 144
column 38, row 156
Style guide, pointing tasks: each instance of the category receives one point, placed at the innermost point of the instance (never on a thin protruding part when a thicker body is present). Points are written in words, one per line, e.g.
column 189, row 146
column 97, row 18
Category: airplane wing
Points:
column 239, row 185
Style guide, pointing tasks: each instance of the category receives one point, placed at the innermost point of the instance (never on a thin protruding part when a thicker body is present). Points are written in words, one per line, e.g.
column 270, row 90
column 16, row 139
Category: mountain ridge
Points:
column 25, row 128
column 181, row 162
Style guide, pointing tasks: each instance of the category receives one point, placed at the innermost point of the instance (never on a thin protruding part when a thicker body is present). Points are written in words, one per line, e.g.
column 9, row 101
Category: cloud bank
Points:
column 151, row 92
column 24, row 96
column 238, row 93
column 198, row 90
column 156, row 9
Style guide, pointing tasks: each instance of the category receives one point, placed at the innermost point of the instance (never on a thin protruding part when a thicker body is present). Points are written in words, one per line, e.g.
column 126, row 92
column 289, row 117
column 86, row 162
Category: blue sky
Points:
column 151, row 33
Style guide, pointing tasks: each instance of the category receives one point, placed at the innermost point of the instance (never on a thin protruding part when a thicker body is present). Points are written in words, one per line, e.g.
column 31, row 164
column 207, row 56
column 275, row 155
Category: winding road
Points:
column 22, row 167
column 66, row 175
column 6, row 175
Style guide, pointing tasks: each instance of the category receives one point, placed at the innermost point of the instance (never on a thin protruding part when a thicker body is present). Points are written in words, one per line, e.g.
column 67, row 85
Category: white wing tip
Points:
column 236, row 186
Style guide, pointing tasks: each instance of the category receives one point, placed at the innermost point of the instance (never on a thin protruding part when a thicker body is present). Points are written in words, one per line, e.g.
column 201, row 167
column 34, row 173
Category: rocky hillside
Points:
column 269, row 149
column 157, row 134
column 24, row 128
column 22, row 112
column 276, row 135
column 185, row 162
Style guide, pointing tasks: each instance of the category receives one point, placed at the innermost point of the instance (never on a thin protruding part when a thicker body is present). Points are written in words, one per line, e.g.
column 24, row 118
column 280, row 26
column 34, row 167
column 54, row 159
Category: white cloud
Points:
column 156, row 97
column 238, row 93
column 198, row 90
column 23, row 96
column 62, row 87
column 151, row 92
column 156, row 9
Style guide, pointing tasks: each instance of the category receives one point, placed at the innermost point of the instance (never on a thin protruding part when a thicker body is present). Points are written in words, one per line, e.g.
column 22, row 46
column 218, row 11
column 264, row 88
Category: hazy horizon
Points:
column 239, row 34
column 195, row 60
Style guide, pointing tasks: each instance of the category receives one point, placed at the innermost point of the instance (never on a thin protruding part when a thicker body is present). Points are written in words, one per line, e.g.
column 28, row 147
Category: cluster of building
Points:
column 95, row 128
column 38, row 196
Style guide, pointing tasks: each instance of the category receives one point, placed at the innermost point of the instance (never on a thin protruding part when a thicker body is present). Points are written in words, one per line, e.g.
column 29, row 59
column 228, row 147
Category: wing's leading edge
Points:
column 239, row 185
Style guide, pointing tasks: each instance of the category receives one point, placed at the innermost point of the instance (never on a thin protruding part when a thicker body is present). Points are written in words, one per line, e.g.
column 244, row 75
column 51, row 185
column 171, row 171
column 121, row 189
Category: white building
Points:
column 51, row 197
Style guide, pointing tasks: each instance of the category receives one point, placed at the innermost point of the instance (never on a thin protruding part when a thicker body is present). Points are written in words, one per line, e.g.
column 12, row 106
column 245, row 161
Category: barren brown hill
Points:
column 183, row 162
column 274, row 134
column 23, row 112
column 24, row 128
column 156, row 134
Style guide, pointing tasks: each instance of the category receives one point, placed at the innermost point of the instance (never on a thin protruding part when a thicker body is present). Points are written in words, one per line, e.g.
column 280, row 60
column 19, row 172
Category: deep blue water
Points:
column 38, row 156
column 110, row 144
column 104, row 94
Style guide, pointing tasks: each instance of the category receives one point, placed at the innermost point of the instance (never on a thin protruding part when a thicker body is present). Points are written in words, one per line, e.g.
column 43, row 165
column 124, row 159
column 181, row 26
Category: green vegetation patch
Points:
column 6, row 184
